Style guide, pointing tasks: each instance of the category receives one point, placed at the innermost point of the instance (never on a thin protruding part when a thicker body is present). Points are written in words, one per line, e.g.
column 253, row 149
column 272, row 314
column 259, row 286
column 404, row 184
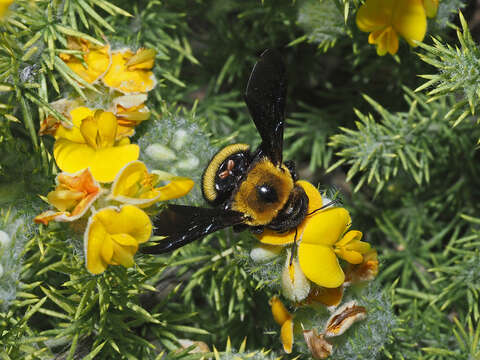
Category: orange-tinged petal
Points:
column 107, row 162
column 409, row 20
column 279, row 311
column 326, row 226
column 64, row 199
column 47, row 216
column 375, row 15
column 320, row 265
column 286, row 335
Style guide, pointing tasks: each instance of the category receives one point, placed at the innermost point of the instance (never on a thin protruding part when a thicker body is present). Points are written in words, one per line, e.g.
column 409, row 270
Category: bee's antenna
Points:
column 331, row 203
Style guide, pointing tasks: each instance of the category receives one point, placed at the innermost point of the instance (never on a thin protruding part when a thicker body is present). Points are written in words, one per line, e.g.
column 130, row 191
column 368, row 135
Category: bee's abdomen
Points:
column 224, row 173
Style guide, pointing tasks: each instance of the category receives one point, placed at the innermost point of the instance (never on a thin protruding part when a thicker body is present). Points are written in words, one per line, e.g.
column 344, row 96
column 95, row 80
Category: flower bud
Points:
column 264, row 253
column 189, row 163
column 179, row 139
column 160, row 152
column 295, row 285
column 5, row 240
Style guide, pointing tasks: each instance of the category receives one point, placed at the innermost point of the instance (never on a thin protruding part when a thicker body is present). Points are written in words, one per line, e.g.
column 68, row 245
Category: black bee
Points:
column 248, row 190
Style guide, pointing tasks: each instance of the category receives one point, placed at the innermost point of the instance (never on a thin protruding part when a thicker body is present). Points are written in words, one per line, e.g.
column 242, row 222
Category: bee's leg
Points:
column 294, row 247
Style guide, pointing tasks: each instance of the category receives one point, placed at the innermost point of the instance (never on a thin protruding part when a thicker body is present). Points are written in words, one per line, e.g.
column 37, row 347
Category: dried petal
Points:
column 344, row 317
column 318, row 346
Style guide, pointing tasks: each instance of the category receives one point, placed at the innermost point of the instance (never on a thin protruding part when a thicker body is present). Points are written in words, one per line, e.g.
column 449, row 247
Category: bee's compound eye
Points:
column 267, row 193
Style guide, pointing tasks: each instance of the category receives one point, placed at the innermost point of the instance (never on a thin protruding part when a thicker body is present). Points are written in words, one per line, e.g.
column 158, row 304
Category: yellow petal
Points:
column 375, row 15
column 143, row 59
column 409, row 20
column 120, row 78
column 353, row 257
column 107, row 162
column 97, row 63
column 96, row 246
column 386, row 41
column 179, row 186
column 349, row 238
column 72, row 157
column 106, row 251
column 129, row 220
column 124, row 248
column 89, row 131
column 326, row 226
column 64, row 199
column 431, row 7
column 107, row 128
column 74, row 134
column 286, row 335
column 320, row 265
column 279, row 311
column 128, row 178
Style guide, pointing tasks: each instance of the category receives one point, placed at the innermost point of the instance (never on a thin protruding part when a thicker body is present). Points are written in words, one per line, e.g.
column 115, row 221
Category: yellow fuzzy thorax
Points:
column 246, row 199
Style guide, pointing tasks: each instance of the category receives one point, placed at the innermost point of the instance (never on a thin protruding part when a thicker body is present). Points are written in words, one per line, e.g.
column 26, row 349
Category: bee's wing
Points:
column 183, row 224
column 265, row 97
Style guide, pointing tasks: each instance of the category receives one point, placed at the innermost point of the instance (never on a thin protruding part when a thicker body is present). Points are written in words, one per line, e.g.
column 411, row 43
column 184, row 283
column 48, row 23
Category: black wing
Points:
column 183, row 224
column 265, row 97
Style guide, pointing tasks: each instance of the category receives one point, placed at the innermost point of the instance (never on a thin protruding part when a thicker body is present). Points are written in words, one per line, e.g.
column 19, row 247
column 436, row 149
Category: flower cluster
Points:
column 313, row 273
column 100, row 166
column 386, row 20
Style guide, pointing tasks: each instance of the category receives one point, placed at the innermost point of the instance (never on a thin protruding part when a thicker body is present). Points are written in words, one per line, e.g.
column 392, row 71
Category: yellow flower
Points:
column 431, row 7
column 96, row 58
column 320, row 241
column 283, row 318
column 386, row 20
column 4, row 4
column 92, row 143
column 130, row 73
column 113, row 235
column 135, row 185
column 74, row 194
